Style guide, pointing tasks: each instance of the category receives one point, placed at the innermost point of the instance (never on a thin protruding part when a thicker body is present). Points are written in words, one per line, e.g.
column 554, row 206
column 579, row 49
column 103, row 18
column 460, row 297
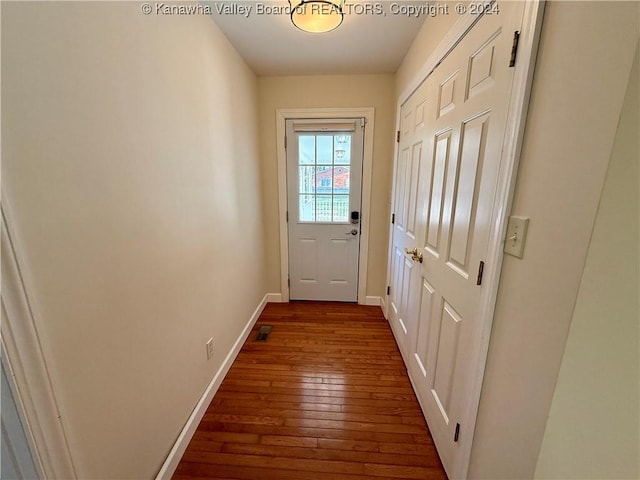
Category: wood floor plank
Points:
column 358, row 426
column 204, row 471
column 301, row 397
column 327, row 454
column 367, row 416
column 326, row 396
column 225, row 437
column 287, row 463
column 287, row 441
column 314, row 432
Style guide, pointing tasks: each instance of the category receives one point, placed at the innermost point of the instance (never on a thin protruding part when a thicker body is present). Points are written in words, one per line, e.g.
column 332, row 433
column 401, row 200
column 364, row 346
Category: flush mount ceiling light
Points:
column 317, row 16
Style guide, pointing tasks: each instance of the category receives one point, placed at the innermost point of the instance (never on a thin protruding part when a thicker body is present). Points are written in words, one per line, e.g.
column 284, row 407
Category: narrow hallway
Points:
column 326, row 396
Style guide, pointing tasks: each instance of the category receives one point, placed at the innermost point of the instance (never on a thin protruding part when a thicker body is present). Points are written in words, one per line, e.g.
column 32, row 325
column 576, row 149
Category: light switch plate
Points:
column 516, row 236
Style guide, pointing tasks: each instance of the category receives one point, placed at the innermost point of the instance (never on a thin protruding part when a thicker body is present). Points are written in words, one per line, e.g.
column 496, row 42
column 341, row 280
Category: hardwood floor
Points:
column 325, row 397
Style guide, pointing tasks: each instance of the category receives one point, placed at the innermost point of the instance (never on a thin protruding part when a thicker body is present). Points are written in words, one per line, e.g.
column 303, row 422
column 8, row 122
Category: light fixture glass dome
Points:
column 317, row 16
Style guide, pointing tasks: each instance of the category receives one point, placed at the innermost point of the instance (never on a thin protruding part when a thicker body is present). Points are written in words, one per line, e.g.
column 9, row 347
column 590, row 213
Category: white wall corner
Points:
column 180, row 446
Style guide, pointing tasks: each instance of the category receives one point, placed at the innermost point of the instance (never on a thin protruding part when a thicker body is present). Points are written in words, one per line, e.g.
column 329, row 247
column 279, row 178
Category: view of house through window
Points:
column 324, row 170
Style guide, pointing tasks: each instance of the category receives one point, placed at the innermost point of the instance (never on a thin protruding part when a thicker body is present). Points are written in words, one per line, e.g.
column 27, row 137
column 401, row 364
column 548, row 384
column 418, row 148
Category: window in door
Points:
column 324, row 177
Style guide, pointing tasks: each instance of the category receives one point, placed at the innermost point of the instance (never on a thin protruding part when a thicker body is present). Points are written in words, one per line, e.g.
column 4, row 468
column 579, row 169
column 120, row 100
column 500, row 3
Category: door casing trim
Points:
column 283, row 114
column 25, row 353
column 514, row 133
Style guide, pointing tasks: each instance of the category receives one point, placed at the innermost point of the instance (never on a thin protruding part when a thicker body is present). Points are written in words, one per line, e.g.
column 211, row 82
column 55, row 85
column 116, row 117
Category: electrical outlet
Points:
column 210, row 348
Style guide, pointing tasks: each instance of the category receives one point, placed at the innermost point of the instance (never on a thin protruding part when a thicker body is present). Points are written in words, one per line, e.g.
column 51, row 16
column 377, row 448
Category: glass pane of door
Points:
column 324, row 177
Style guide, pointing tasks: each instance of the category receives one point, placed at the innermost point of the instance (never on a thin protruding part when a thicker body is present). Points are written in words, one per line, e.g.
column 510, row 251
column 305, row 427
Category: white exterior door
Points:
column 324, row 183
column 452, row 132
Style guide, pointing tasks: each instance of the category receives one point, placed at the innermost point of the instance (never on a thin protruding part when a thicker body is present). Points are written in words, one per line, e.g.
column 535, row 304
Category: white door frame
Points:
column 514, row 132
column 283, row 114
column 25, row 354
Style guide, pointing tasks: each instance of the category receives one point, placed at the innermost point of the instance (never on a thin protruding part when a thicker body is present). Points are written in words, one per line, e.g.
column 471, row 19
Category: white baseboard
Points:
column 176, row 453
column 372, row 301
column 274, row 298
column 383, row 306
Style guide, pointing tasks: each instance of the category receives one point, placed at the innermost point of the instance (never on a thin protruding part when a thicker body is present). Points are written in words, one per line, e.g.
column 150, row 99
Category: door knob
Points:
column 354, row 231
column 415, row 255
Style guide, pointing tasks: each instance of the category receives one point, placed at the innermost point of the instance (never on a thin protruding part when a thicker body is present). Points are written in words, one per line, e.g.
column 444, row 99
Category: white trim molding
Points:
column 371, row 300
column 274, row 298
column 514, row 132
column 180, row 446
column 367, row 167
column 25, row 358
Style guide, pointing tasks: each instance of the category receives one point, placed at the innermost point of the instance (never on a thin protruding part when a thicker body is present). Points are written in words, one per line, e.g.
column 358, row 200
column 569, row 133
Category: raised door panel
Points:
column 413, row 182
column 435, row 200
column 428, row 306
column 463, row 198
column 338, row 264
column 401, row 202
column 446, row 354
column 308, row 251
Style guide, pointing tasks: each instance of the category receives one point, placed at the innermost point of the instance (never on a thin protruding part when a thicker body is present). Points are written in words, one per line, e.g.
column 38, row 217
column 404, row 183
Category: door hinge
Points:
column 287, row 216
column 285, row 142
column 393, row 219
column 480, row 272
column 398, row 136
column 514, row 48
column 289, row 281
column 388, row 290
column 457, row 434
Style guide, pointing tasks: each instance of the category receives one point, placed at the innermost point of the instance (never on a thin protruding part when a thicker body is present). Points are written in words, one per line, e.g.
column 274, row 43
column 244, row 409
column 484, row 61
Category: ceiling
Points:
column 364, row 43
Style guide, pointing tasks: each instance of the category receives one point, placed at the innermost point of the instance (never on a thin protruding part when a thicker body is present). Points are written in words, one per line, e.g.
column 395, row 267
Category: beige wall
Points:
column 583, row 67
column 325, row 92
column 593, row 426
column 130, row 162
